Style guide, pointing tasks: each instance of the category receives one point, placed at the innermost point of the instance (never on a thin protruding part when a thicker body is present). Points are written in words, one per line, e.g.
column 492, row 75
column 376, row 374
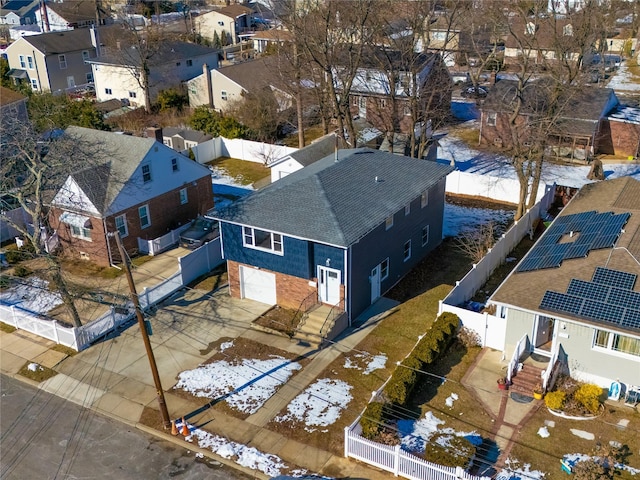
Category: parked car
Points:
column 474, row 92
column 201, row 231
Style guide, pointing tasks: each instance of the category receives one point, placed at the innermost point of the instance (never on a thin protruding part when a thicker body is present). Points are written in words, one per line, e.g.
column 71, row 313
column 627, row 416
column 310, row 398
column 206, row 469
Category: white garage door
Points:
column 258, row 285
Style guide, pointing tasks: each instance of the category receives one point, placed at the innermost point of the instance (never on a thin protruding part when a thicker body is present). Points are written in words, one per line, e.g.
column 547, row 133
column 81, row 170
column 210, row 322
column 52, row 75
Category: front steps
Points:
column 310, row 332
column 526, row 380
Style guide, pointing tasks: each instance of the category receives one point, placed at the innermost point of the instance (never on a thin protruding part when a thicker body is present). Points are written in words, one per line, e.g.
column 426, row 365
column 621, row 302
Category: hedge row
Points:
column 428, row 349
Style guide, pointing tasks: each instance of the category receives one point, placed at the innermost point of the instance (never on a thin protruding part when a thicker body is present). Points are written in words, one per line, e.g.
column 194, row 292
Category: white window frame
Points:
column 275, row 240
column 23, row 61
column 80, row 232
column 184, row 196
column 174, row 164
column 384, row 269
column 406, row 251
column 223, row 95
column 85, row 55
column 121, row 225
column 34, row 84
column 133, row 94
column 62, row 61
column 425, row 235
column 89, row 77
column 609, row 347
column 567, row 30
column 108, row 91
column 530, row 28
column 424, row 199
column 388, row 222
column 146, row 214
column 492, row 119
column 146, row 172
column 30, row 62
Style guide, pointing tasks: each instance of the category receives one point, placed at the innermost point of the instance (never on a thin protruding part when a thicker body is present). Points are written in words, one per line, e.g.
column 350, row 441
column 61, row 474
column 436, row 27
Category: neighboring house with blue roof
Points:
column 575, row 296
column 340, row 232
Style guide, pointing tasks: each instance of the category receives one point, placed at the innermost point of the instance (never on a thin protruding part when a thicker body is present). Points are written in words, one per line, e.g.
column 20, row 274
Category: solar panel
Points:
column 631, row 318
column 614, row 278
column 602, row 311
column 604, row 241
column 577, row 251
column 587, row 290
column 624, row 298
column 561, row 302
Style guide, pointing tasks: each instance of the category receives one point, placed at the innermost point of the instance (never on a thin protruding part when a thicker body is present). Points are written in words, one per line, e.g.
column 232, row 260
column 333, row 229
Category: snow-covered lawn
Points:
column 32, row 295
column 624, row 80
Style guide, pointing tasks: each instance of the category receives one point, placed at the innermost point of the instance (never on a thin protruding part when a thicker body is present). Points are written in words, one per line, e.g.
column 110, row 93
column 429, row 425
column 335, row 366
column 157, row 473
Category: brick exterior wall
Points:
column 625, row 138
column 165, row 213
column 290, row 290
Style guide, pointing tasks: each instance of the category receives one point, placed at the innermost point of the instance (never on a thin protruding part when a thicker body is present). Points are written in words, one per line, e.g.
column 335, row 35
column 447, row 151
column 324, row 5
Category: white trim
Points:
column 406, row 255
column 124, row 224
column 384, row 277
column 252, row 236
column 148, row 215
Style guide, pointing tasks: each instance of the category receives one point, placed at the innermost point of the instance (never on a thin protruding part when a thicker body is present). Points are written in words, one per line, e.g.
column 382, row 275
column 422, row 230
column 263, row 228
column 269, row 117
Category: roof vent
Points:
column 376, row 179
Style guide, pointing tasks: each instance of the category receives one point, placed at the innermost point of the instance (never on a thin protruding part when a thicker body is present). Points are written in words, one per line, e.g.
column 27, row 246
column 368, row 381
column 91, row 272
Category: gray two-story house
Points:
column 339, row 232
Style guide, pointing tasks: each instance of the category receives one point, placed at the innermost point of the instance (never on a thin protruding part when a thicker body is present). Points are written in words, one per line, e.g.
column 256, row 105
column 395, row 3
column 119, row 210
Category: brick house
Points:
column 620, row 135
column 578, row 131
column 386, row 106
column 137, row 186
column 338, row 233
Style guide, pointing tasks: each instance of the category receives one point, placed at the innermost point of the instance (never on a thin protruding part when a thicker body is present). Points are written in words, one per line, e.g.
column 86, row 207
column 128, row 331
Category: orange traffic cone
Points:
column 174, row 429
column 185, row 429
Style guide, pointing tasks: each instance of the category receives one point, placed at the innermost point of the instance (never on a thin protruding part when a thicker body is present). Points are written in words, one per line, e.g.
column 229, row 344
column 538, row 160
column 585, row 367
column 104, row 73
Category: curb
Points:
column 179, row 441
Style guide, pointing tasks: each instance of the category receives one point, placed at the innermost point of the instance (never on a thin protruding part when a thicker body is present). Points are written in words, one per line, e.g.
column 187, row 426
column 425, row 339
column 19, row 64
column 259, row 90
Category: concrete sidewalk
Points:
column 113, row 377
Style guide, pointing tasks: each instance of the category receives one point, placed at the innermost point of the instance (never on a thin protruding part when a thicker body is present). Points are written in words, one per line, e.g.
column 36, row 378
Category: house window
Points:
column 80, row 232
column 567, row 30
column 223, row 95
column 174, row 164
column 183, row 196
column 388, row 223
column 530, row 28
column 407, row 250
column 89, row 77
column 262, row 240
column 143, row 213
column 132, row 94
column 178, row 64
column 491, row 119
column 189, row 63
column 355, row 101
column 425, row 235
column 384, row 269
column 30, row 62
column 85, row 55
column 108, row 91
column 23, row 61
column 62, row 60
column 407, row 209
column 407, row 111
column 146, row 173
column 34, row 84
column 617, row 343
column 424, row 199
column 383, row 103
column 167, row 142
column 121, row 225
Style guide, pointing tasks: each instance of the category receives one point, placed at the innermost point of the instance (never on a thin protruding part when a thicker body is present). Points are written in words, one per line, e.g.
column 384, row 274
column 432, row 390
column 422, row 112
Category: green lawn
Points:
column 244, row 172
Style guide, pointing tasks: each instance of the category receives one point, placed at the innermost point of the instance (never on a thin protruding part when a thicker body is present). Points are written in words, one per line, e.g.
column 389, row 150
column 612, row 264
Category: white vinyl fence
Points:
column 491, row 328
column 496, row 188
column 190, row 267
column 258, row 152
column 160, row 244
column 393, row 459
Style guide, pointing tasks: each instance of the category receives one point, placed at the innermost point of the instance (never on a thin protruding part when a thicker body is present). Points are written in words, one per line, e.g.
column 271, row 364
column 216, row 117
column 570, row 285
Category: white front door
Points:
column 328, row 285
column 375, row 283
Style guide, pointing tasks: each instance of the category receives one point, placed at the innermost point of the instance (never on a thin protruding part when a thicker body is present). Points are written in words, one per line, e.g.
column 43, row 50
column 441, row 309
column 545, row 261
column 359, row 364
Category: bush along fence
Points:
column 362, row 438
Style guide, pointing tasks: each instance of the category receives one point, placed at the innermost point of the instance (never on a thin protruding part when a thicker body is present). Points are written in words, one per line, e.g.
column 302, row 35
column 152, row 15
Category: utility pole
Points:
column 143, row 330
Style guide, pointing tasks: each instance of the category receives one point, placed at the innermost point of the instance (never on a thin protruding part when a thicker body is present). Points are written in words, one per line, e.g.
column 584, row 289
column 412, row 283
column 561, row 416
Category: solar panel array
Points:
column 609, row 297
column 593, row 231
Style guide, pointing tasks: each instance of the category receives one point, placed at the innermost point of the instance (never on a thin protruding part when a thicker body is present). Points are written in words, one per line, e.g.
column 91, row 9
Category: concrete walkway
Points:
column 509, row 416
column 113, row 377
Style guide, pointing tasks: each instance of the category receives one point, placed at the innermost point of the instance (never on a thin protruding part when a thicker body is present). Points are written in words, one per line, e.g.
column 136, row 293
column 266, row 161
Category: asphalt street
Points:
column 45, row 437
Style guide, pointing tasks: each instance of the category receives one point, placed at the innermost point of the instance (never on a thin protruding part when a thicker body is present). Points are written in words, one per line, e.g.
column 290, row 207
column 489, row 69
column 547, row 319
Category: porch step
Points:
column 526, row 380
column 310, row 331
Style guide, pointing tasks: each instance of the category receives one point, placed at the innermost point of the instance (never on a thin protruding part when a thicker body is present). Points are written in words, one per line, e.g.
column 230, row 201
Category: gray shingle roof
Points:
column 255, row 74
column 337, row 202
column 55, row 43
column 115, row 158
column 167, row 52
column 186, row 134
column 315, row 151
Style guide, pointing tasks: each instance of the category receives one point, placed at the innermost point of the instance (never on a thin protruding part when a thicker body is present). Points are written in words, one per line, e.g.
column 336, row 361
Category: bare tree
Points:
column 32, row 171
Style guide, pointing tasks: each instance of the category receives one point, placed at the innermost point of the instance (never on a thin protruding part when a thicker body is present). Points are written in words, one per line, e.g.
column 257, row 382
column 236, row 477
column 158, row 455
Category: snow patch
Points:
column 32, row 295
column 373, row 363
column 450, row 399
